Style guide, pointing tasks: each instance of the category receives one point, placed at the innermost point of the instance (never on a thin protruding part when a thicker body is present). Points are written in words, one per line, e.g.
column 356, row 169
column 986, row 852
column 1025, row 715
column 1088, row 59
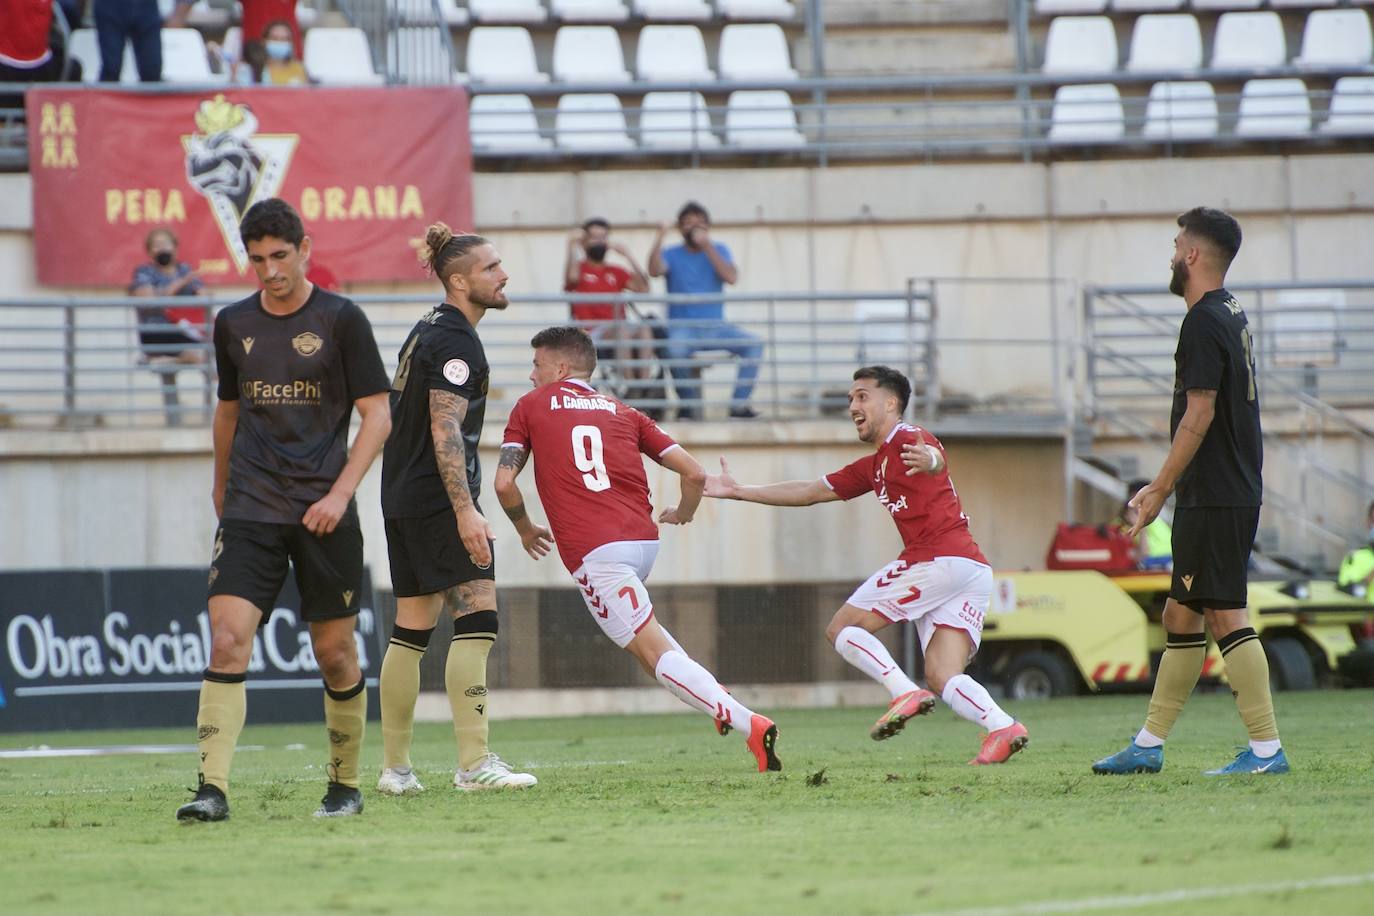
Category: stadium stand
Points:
column 754, row 52
column 1087, row 113
column 1182, row 110
column 1170, row 41
column 589, row 10
column 591, row 121
column 778, row 10
column 1146, row 6
column 588, row 53
column 673, row 10
column 1352, row 107
column 453, row 14
column 1227, row 4
column 762, row 118
column 505, row 123
column 1249, row 41
column 676, row 120
column 1080, row 44
column 1336, row 38
column 340, row 56
column 1274, row 108
column 184, row 59
column 507, row 11
column 84, row 48
column 1069, row 7
column 502, row 54
column 672, row 53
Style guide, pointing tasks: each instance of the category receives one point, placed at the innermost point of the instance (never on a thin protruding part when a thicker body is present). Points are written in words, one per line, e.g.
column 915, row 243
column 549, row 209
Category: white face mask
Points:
column 278, row 50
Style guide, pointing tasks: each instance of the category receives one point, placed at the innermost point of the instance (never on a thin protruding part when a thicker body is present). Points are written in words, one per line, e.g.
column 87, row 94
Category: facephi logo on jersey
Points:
column 307, row 343
column 233, row 166
column 248, row 345
column 457, row 371
column 299, row 393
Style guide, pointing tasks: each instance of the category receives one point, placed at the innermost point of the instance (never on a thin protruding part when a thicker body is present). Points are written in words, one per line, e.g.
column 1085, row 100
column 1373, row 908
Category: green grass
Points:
column 655, row 814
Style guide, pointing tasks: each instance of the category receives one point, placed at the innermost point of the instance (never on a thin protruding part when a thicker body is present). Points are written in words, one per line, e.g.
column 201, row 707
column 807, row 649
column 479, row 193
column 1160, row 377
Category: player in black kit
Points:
column 294, row 361
column 1213, row 469
column 438, row 541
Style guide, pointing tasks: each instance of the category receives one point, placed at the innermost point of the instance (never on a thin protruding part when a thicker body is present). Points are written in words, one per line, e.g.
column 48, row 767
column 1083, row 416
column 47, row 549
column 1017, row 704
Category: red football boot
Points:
column 998, row 746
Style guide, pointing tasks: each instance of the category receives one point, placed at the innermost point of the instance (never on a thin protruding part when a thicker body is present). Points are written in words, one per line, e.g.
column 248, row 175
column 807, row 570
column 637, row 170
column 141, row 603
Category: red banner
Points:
column 368, row 170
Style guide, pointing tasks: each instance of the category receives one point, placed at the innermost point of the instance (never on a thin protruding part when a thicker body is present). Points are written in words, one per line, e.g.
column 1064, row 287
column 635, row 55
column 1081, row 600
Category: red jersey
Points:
column 259, row 14
column 599, row 278
column 24, row 36
column 924, row 507
column 591, row 480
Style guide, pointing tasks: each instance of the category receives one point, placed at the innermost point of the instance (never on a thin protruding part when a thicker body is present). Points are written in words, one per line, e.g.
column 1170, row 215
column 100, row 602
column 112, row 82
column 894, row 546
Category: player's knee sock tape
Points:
column 345, row 715
column 1179, row 669
column 400, row 686
column 223, row 705
column 864, row 651
column 1247, row 670
column 465, row 680
column 972, row 701
column 697, row 687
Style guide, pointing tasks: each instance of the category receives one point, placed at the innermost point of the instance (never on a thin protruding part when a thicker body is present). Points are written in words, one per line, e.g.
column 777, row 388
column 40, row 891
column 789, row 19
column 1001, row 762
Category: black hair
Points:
column 690, row 208
column 155, row 232
column 1216, row 226
column 272, row 217
column 596, row 221
column 442, row 248
column 572, row 342
column 888, row 379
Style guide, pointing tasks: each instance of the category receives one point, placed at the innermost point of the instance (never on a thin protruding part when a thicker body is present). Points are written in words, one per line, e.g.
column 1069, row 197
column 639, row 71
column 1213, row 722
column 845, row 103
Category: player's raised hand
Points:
column 323, row 517
column 919, row 458
column 722, row 485
column 671, row 516
column 537, row 541
column 476, row 536
column 1147, row 504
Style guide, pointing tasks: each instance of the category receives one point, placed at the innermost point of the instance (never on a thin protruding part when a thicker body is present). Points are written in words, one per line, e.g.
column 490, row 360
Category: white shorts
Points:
column 945, row 592
column 611, row 579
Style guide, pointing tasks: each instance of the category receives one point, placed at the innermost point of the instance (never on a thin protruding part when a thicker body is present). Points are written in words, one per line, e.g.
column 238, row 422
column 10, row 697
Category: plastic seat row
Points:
column 1243, row 41
column 668, row 121
column 593, row 53
column 1058, row 7
column 619, row 10
column 1187, row 110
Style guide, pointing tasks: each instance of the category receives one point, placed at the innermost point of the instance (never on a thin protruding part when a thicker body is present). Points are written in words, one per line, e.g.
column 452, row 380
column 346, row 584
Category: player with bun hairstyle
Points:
column 438, row 541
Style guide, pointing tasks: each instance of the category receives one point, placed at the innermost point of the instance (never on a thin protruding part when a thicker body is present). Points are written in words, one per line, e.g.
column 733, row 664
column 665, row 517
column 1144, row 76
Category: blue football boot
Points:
column 1247, row 762
column 1133, row 759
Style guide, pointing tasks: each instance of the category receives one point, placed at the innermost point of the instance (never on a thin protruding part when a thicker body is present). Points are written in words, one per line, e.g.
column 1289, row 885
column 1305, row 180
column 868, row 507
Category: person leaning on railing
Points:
column 1357, row 569
column 169, row 333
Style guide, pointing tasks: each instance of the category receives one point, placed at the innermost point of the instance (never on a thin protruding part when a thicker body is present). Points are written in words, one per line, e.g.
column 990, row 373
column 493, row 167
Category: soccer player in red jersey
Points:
column 591, row 480
column 941, row 582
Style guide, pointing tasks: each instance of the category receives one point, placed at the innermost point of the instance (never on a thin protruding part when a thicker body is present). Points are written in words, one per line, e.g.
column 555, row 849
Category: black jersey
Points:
column 295, row 377
column 1215, row 353
column 442, row 353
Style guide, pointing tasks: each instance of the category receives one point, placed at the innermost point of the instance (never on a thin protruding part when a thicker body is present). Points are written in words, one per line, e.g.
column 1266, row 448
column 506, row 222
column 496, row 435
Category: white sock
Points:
column 1265, row 748
column 1147, row 738
column 695, row 686
column 970, row 700
column 864, row 651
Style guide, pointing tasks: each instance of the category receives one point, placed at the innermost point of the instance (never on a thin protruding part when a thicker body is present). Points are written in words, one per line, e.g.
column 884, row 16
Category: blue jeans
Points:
column 686, row 340
column 119, row 21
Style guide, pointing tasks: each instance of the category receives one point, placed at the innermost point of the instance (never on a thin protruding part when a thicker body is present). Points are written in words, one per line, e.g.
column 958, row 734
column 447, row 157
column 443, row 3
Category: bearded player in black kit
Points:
column 294, row 361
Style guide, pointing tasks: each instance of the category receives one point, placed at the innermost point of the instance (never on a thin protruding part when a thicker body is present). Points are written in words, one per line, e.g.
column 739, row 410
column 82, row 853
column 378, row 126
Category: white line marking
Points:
column 1182, row 895
column 110, row 750
column 167, row 687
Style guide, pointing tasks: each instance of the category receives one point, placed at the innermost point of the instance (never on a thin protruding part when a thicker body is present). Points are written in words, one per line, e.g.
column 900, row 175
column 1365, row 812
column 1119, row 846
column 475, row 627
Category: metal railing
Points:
column 79, row 362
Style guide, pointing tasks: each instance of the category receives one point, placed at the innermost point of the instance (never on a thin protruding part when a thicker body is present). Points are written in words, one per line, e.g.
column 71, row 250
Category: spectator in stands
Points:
column 283, row 67
column 259, row 15
column 28, row 53
column 174, row 333
column 118, row 22
column 700, row 265
column 1357, row 569
column 616, row 338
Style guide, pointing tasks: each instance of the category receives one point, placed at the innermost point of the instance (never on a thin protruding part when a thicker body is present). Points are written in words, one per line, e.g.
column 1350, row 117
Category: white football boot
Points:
column 399, row 781
column 494, row 773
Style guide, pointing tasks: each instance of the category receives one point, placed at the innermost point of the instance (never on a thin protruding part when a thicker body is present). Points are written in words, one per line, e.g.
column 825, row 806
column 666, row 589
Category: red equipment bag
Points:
column 1097, row 547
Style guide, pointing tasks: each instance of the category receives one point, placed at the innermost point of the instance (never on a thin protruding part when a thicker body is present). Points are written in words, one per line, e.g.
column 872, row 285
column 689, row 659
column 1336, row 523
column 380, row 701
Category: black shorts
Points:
column 427, row 555
column 1212, row 556
column 250, row 560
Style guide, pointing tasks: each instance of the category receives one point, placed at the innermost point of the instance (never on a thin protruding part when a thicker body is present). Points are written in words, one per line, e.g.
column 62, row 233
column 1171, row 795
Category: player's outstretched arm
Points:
column 693, row 486
column 375, row 410
column 1197, row 419
column 786, row 493
column 536, row 539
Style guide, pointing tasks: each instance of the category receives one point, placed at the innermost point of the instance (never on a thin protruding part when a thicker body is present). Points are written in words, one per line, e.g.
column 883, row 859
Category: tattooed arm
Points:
column 446, row 413
column 534, row 538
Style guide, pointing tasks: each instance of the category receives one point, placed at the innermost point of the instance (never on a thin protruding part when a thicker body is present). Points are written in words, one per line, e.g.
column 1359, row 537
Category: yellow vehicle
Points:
column 1053, row 633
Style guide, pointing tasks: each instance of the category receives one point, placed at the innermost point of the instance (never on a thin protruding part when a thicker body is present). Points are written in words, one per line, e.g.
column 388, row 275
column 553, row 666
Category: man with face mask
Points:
column 1357, row 569
column 175, row 333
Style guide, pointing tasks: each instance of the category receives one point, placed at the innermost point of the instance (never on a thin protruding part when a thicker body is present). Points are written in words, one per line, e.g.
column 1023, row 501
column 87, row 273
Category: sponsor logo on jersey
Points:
column 457, row 372
column 307, row 344
column 298, row 393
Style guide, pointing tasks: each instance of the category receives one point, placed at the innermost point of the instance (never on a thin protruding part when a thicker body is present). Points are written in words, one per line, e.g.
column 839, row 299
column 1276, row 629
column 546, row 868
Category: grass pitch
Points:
column 656, row 814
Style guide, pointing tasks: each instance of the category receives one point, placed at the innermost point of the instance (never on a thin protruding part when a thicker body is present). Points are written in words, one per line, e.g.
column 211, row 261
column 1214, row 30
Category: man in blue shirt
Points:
column 700, row 265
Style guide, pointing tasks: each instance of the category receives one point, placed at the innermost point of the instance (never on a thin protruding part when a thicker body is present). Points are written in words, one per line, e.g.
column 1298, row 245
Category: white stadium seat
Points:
column 673, row 10
column 1274, row 108
column 589, row 10
column 1336, row 38
column 754, row 52
column 502, row 53
column 507, row 10
column 1227, row 4
column 1352, row 107
column 232, row 46
column 1068, row 7
column 1080, row 44
column 184, row 59
column 1249, row 41
column 1181, row 111
column 762, row 118
column 588, row 54
column 1297, row 4
column 776, row 10
column 1088, row 113
column 86, row 48
column 505, row 122
column 592, row 121
column 1171, row 41
column 672, row 53
column 340, row 56
column 1146, row 6
column 675, row 120
column 453, row 13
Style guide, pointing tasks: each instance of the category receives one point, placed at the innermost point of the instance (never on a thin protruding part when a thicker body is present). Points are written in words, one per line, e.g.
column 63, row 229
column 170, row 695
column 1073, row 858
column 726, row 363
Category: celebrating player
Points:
column 293, row 362
column 591, row 480
column 438, row 541
column 941, row 582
